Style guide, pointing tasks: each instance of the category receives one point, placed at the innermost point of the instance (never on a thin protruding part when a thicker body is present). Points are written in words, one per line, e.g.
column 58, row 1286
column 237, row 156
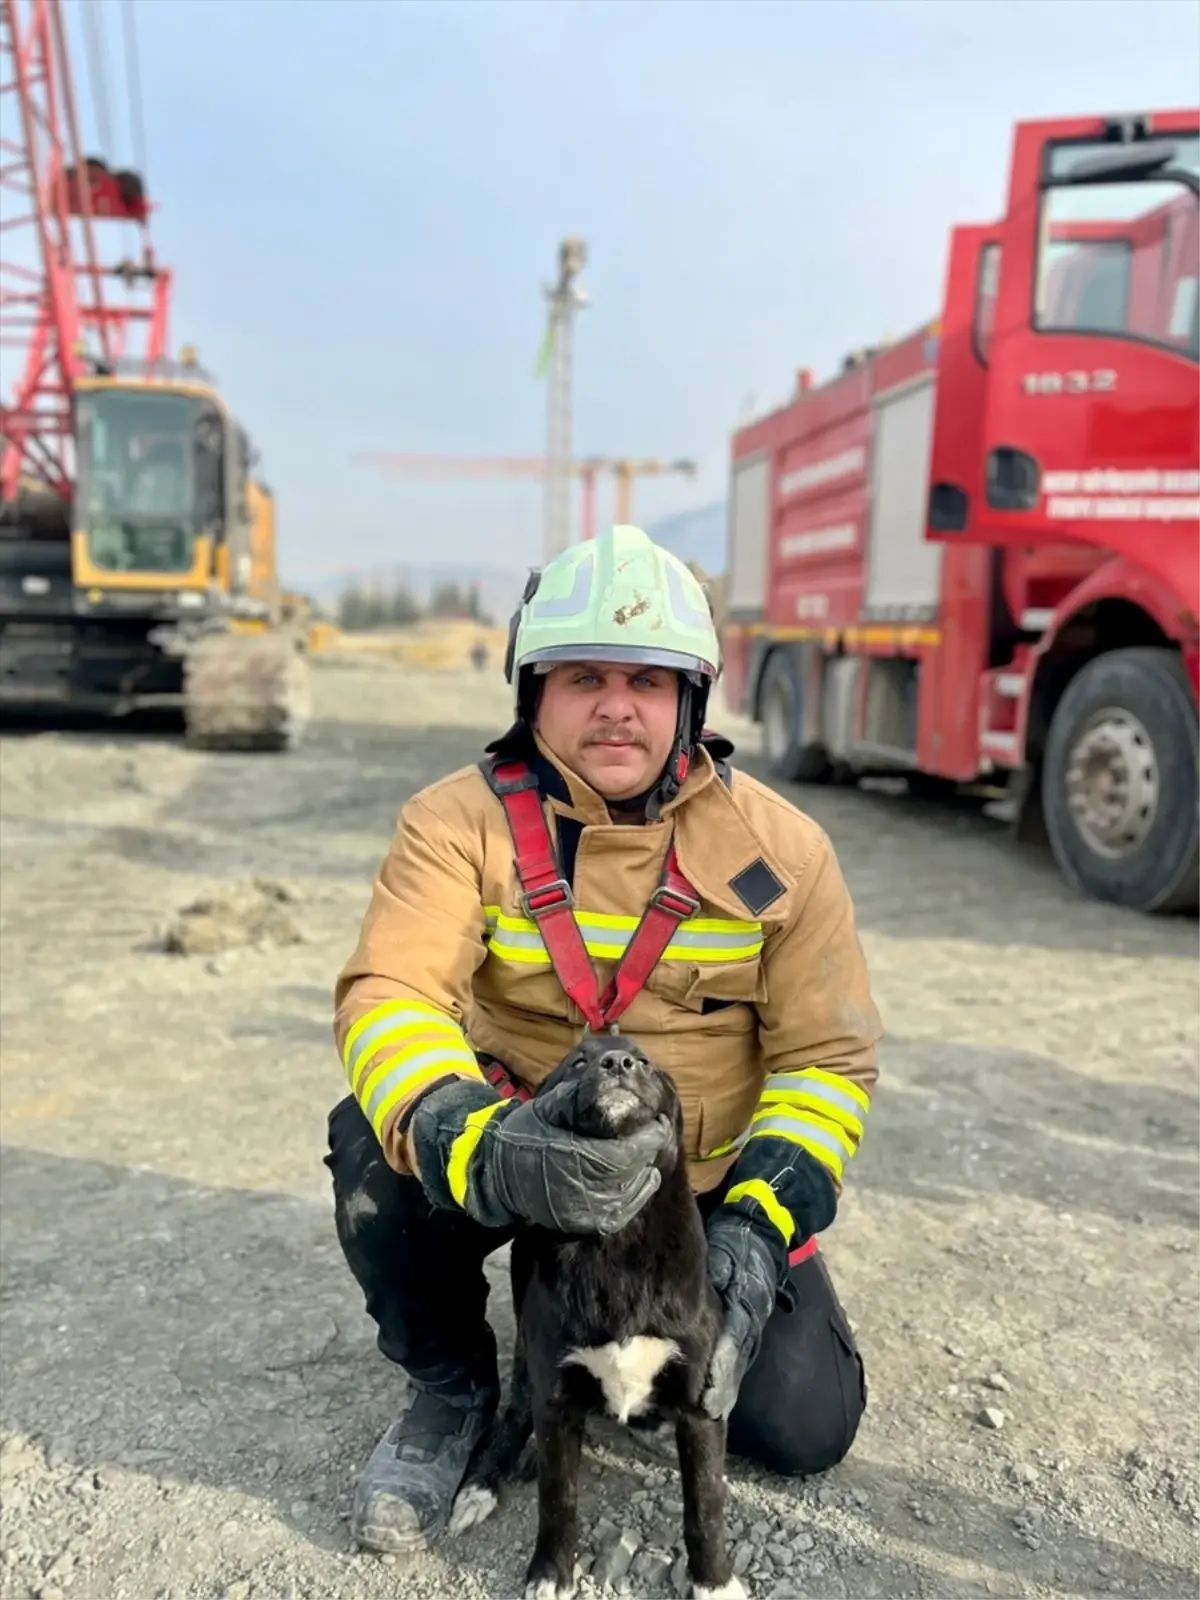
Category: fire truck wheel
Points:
column 1119, row 782
column 781, row 711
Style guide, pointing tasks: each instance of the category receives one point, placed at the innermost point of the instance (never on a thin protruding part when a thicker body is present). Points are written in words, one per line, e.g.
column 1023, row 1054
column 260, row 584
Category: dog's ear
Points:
column 564, row 1067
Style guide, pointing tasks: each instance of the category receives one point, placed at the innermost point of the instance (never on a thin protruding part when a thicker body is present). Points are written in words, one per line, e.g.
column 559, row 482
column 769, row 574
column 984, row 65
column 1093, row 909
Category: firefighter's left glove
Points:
column 507, row 1161
column 778, row 1197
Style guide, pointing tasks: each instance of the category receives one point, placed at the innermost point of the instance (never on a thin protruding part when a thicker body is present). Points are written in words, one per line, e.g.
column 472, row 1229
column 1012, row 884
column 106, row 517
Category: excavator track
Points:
column 246, row 691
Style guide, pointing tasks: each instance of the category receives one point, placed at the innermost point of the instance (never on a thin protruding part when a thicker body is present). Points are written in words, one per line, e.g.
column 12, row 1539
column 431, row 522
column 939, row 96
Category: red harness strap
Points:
column 548, row 902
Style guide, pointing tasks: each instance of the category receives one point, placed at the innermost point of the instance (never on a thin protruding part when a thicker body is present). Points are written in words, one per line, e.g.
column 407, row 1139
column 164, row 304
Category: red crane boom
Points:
column 63, row 310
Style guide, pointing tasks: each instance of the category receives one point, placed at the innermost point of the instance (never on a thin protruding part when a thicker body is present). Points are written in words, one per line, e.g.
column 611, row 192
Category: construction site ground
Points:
column 189, row 1380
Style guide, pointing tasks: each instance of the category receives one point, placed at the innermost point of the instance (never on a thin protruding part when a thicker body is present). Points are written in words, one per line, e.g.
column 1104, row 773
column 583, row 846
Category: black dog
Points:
column 625, row 1324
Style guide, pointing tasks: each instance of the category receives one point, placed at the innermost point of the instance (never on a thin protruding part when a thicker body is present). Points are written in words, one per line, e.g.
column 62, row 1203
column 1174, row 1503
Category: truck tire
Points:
column 1120, row 782
column 781, row 710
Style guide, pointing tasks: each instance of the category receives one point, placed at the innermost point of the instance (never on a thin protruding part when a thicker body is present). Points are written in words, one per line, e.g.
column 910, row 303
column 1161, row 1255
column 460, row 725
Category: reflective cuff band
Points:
column 758, row 1190
column 428, row 1044
column 823, row 1111
column 463, row 1147
column 824, row 1140
column 833, row 1098
column 395, row 1022
column 699, row 939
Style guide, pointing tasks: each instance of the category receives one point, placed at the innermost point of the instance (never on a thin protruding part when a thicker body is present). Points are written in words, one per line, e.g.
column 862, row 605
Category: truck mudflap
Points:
column 246, row 691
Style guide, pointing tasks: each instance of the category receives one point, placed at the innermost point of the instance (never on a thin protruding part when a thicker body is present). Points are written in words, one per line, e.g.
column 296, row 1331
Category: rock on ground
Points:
column 190, row 1381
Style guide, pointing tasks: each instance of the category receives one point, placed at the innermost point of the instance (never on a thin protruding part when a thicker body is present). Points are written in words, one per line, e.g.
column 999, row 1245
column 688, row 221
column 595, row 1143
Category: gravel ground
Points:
column 190, row 1381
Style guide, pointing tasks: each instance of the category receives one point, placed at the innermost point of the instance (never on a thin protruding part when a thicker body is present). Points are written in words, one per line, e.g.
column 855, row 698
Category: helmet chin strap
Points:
column 689, row 724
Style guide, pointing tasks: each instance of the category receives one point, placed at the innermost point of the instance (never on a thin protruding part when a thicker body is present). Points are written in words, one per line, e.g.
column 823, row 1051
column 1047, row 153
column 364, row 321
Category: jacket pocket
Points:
column 709, row 986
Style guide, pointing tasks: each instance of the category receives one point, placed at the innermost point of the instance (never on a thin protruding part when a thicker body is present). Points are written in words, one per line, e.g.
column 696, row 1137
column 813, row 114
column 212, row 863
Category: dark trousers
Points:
column 421, row 1271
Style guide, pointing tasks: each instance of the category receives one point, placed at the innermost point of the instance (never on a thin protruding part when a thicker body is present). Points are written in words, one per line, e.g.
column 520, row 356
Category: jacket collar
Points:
column 573, row 796
column 714, row 842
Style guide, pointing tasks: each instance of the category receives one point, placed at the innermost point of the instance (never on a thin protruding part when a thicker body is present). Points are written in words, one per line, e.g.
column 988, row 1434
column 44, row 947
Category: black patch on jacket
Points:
column 757, row 887
column 582, row 1293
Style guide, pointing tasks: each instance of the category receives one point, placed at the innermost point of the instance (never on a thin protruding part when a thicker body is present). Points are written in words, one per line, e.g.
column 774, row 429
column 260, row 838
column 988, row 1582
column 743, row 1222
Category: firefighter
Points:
column 601, row 862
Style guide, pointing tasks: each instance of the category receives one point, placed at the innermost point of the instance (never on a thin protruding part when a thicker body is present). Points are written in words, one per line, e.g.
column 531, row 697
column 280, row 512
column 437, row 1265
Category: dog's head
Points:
column 618, row 1088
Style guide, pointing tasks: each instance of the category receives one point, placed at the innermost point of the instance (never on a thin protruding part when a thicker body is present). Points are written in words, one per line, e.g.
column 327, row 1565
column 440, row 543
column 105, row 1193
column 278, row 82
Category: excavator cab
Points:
column 160, row 495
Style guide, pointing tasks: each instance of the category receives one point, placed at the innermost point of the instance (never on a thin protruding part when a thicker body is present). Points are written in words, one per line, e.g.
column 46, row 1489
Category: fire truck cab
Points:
column 973, row 556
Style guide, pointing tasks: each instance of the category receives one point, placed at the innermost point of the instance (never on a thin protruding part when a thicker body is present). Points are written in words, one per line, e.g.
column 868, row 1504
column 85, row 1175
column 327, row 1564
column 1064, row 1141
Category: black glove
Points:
column 503, row 1161
column 778, row 1197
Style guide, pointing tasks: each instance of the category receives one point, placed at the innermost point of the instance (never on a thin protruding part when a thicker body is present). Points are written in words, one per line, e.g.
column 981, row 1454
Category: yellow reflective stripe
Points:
column 758, row 1190
column 431, row 1045
column 463, row 1147
column 606, row 937
column 392, row 1092
column 836, row 1080
column 602, row 919
column 417, row 1053
column 824, row 1140
column 829, row 1101
column 808, row 1106
column 412, row 1038
column 362, row 1037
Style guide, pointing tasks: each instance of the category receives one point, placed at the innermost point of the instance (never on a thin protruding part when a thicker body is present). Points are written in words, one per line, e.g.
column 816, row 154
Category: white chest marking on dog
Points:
column 626, row 1371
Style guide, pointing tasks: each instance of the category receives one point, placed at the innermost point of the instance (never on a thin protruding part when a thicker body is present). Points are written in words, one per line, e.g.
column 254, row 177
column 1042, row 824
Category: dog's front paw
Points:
column 733, row 1590
column 541, row 1585
column 475, row 1503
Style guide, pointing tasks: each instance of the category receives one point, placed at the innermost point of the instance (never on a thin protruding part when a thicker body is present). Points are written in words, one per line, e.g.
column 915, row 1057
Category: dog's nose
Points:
column 618, row 1063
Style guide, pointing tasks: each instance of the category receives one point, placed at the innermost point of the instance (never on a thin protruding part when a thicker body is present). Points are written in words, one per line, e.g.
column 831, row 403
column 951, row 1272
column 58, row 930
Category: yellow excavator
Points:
column 137, row 548
column 154, row 583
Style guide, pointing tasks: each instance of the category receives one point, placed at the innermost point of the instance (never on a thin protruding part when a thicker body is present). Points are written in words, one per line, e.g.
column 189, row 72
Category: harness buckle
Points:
column 676, row 901
column 536, row 904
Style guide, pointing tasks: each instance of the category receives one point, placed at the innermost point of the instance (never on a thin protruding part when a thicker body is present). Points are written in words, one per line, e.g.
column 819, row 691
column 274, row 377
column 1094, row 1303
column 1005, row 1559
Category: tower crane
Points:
column 565, row 297
column 624, row 469
column 137, row 562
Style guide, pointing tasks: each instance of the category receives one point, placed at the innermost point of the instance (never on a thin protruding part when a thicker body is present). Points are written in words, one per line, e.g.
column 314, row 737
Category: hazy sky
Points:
column 362, row 198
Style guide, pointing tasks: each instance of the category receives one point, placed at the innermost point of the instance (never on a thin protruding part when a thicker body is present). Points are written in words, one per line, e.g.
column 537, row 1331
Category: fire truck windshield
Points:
column 148, row 477
column 1118, row 244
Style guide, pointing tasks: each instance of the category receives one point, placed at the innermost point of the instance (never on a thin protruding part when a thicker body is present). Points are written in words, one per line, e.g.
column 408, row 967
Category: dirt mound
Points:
column 256, row 912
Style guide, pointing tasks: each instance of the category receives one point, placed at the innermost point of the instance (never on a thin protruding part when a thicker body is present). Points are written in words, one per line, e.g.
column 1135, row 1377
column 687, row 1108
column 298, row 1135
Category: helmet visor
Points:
column 621, row 655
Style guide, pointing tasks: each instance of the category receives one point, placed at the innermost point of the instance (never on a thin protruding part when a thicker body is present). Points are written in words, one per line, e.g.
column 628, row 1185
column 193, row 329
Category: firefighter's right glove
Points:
column 507, row 1161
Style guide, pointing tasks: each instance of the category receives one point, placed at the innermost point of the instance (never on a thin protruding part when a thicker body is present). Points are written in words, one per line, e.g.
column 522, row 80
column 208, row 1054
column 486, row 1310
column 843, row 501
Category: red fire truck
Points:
column 973, row 556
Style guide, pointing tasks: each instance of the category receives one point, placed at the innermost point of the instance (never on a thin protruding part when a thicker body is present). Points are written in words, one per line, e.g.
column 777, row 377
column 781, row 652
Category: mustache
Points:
column 616, row 736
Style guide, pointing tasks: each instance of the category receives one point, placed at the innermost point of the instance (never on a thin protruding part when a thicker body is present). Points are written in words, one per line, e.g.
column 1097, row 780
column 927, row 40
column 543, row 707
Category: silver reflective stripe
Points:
column 406, row 1069
column 685, row 939
column 683, row 608
column 810, row 1130
column 518, row 941
column 574, row 604
column 796, row 1082
column 404, row 1016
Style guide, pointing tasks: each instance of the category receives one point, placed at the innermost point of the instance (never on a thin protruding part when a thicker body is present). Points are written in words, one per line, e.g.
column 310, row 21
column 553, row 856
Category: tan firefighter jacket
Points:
column 760, row 1009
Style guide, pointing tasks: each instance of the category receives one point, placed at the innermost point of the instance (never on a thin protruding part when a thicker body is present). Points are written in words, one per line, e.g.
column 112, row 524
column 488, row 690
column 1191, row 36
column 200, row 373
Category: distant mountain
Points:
column 697, row 535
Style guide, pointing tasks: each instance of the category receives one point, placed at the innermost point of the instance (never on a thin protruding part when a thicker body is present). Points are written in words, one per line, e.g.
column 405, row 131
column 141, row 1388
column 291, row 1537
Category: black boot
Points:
column 406, row 1491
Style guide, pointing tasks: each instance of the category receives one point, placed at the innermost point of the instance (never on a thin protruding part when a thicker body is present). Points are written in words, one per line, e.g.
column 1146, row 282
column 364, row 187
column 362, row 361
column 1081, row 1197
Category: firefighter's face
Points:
column 613, row 725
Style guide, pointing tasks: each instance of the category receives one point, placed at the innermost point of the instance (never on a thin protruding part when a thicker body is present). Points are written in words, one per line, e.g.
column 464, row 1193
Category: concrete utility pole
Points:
column 566, row 296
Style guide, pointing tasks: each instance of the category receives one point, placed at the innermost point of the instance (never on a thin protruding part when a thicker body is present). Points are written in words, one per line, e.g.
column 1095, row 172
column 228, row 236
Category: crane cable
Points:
column 97, row 75
column 133, row 82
